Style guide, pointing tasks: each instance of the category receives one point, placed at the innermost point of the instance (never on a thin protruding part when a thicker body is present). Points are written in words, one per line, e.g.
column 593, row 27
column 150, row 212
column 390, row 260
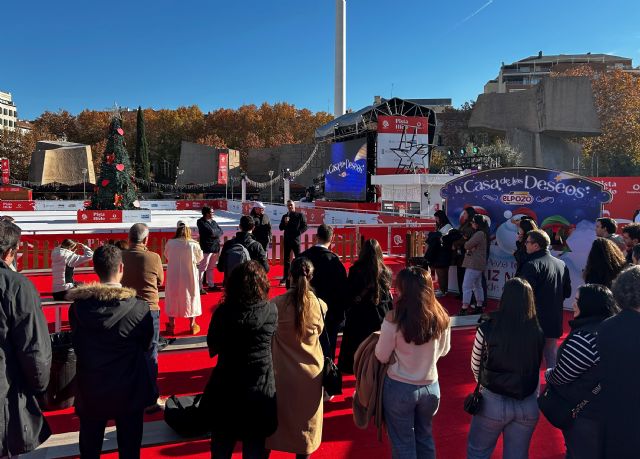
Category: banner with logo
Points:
column 401, row 141
column 20, row 206
column 4, row 168
column 223, row 168
column 626, row 197
column 563, row 204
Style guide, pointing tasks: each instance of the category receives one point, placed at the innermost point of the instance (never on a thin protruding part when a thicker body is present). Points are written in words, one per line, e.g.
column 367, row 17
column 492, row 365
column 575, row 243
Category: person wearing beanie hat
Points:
column 262, row 228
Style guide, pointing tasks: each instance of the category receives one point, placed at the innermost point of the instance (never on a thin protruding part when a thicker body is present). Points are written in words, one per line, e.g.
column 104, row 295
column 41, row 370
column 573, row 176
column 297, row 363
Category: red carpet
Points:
column 185, row 372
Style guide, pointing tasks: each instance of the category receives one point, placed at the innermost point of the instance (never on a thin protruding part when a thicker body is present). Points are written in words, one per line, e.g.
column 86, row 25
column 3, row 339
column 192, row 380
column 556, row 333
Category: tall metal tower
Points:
column 340, row 83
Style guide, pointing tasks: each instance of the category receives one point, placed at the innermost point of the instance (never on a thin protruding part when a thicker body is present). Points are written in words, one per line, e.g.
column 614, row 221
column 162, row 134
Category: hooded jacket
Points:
column 25, row 362
column 61, row 261
column 112, row 331
column 241, row 394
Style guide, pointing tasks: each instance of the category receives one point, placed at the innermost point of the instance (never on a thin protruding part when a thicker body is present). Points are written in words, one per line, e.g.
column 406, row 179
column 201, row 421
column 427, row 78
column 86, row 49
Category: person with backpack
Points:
column 242, row 248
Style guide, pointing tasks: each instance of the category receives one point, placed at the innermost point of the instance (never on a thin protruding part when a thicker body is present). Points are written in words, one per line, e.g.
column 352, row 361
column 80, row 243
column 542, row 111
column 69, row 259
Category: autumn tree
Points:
column 18, row 149
column 615, row 152
column 62, row 124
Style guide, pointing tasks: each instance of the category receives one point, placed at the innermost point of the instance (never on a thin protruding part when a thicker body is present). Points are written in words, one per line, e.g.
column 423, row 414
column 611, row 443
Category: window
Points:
column 4, row 110
column 10, row 123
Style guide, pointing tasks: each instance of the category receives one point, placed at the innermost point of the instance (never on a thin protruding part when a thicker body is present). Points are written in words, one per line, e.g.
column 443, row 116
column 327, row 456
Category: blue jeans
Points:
column 515, row 419
column 152, row 354
column 408, row 412
column 472, row 283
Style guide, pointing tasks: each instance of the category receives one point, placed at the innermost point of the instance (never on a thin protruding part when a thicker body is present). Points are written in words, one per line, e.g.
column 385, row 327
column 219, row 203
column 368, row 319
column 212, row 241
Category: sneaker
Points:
column 153, row 408
column 463, row 311
column 326, row 397
column 440, row 294
column 203, row 291
column 283, row 282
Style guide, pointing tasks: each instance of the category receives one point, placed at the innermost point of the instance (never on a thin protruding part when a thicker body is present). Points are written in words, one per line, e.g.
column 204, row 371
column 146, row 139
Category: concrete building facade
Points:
column 530, row 71
column 199, row 164
column 8, row 112
column 61, row 162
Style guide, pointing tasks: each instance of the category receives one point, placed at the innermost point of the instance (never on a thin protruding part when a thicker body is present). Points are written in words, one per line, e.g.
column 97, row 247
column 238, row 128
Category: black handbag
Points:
column 560, row 412
column 331, row 375
column 186, row 416
column 473, row 401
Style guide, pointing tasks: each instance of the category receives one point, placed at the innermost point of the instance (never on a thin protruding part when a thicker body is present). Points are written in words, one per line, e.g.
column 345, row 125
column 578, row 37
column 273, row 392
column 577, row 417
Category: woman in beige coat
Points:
column 297, row 362
column 182, row 288
column 475, row 262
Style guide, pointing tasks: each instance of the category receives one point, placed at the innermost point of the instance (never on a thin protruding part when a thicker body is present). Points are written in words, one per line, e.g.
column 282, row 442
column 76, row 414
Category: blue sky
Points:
column 213, row 53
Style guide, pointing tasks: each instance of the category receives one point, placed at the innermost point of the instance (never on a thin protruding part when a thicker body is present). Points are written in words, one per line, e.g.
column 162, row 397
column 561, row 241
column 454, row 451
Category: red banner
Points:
column 22, row 206
column 216, row 204
column 4, row 168
column 313, row 215
column 397, row 124
column 626, row 197
column 99, row 216
column 223, row 168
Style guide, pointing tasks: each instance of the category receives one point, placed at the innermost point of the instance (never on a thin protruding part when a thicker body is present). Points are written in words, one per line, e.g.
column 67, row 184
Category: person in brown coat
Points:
column 298, row 362
column 475, row 262
column 143, row 272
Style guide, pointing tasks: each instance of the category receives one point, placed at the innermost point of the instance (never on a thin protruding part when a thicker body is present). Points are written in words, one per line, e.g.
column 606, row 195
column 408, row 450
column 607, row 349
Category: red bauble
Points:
column 110, row 158
column 105, row 182
column 120, row 167
column 120, row 131
column 117, row 200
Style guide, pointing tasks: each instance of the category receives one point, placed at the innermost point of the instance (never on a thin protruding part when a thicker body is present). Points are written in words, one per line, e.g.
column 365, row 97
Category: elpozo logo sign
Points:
column 517, row 198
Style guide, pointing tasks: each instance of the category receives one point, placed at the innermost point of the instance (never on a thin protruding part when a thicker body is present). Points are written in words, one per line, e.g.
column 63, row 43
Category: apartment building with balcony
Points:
column 528, row 72
column 8, row 112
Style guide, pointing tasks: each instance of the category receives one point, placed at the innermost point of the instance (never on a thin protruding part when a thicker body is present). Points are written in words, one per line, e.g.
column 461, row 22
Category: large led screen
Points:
column 346, row 175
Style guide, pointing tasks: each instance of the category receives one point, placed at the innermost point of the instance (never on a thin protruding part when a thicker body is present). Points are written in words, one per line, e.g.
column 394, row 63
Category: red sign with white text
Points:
column 223, row 168
column 626, row 197
column 313, row 215
column 99, row 216
column 198, row 205
column 401, row 140
column 4, row 167
column 23, row 206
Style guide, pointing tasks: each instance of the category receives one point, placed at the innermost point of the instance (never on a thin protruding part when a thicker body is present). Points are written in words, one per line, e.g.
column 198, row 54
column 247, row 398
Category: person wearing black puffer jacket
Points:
column 112, row 332
column 577, row 372
column 241, row 393
column 506, row 361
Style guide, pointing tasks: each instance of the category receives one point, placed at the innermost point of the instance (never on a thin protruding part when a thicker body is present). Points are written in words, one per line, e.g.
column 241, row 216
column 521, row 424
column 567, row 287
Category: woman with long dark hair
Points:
column 458, row 250
column 369, row 299
column 241, row 394
column 604, row 263
column 298, row 362
column 576, row 373
column 506, row 360
column 417, row 332
column 524, row 226
column 475, row 262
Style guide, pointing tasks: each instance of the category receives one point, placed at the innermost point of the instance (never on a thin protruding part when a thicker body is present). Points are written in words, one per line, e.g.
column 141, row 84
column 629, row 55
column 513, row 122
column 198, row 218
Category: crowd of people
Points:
column 266, row 389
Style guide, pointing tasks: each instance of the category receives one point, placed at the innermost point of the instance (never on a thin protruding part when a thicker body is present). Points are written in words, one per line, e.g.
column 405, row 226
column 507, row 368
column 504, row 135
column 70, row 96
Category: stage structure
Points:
column 392, row 136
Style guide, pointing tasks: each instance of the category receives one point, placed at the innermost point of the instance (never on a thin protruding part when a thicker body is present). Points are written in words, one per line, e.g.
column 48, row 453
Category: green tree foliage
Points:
column 115, row 188
column 142, row 166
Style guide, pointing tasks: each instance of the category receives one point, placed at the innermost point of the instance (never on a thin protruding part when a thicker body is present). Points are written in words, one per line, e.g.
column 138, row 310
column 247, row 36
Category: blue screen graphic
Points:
column 346, row 175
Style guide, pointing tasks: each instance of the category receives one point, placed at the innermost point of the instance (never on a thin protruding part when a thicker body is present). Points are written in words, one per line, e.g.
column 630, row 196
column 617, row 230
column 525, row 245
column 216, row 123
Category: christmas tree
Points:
column 142, row 149
column 115, row 188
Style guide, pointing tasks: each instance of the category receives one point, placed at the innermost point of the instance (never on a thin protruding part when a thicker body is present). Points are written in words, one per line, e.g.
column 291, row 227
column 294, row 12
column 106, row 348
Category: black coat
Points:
column 549, row 278
column 296, row 226
column 618, row 345
column 256, row 252
column 262, row 230
column 210, row 234
column 363, row 316
column 112, row 333
column 241, row 393
column 25, row 363
column 521, row 257
column 329, row 281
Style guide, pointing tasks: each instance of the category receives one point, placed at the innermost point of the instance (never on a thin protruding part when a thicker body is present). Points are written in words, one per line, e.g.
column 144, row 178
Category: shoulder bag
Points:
column 561, row 412
column 473, row 401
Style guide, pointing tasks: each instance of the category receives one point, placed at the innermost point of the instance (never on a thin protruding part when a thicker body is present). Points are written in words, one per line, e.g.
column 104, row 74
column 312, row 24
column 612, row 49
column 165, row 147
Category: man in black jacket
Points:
column 293, row 224
column 210, row 234
column 262, row 229
column 25, row 354
column 618, row 344
column 112, row 333
column 329, row 282
column 244, row 238
column 551, row 284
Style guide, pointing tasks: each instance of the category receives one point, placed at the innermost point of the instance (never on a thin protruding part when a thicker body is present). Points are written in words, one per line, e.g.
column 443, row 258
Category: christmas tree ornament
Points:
column 120, row 131
column 105, row 182
column 120, row 167
column 110, row 157
column 117, row 200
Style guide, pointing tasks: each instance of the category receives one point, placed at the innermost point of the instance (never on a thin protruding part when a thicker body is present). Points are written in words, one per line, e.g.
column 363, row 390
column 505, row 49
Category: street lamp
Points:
column 270, row 186
column 179, row 172
column 84, row 184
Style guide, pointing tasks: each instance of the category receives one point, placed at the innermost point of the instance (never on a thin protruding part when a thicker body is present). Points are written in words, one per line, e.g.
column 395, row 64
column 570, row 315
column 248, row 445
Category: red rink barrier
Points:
column 215, row 204
column 18, row 206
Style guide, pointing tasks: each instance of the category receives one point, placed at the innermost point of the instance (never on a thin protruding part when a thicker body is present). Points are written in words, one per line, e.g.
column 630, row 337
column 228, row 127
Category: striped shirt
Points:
column 476, row 353
column 579, row 354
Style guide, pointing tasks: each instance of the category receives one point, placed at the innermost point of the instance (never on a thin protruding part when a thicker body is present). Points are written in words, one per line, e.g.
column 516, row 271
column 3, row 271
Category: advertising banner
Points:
column 407, row 135
column 563, row 204
column 223, row 168
column 21, row 206
column 99, row 216
column 4, row 169
column 346, row 175
column 199, row 204
column 626, row 197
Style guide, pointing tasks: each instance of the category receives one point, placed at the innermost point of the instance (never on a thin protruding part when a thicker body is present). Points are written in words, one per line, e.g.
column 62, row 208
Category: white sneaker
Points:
column 326, row 397
column 439, row 294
